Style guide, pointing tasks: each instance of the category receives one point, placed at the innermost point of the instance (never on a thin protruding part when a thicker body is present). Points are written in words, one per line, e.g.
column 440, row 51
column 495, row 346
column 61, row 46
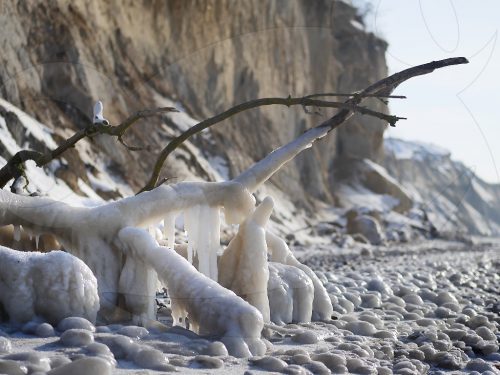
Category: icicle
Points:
column 37, row 240
column 192, row 225
column 203, row 241
column 17, row 233
column 203, row 226
column 169, row 229
column 214, row 241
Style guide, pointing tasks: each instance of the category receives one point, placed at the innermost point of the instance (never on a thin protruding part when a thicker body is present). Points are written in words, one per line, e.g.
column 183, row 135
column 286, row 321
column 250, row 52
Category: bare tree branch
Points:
column 289, row 101
column 380, row 89
column 264, row 169
column 14, row 167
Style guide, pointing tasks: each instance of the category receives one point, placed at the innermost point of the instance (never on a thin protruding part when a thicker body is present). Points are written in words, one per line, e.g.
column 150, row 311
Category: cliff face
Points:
column 454, row 198
column 59, row 57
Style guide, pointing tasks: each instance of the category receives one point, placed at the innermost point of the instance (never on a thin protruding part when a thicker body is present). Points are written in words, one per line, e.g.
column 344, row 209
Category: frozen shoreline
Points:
column 406, row 309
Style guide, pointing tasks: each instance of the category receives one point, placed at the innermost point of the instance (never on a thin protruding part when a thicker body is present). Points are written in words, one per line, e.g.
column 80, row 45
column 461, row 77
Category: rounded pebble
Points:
column 216, row 348
column 269, row 363
column 485, row 333
column 305, row 337
column 84, row 366
column 75, row 322
column 318, row 368
column 152, row 359
column 44, row 330
column 76, row 337
column 361, row 328
column 133, row 331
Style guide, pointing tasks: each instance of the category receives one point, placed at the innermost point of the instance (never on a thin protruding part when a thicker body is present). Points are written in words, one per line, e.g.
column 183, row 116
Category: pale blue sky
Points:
column 457, row 108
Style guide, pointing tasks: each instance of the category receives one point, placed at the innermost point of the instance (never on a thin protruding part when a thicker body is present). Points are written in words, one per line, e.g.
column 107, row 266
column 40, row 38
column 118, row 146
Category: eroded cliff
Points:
column 59, row 57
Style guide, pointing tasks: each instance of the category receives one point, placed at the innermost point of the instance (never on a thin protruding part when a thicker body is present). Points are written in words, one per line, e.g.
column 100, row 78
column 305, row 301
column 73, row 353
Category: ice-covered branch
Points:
column 211, row 309
column 305, row 101
column 264, row 169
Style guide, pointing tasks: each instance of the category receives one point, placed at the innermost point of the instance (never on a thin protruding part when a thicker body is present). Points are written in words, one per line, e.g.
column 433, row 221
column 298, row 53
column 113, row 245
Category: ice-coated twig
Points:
column 260, row 172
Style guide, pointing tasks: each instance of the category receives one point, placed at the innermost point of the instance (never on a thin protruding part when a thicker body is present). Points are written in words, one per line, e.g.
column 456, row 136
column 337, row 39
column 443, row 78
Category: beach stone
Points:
column 44, row 330
column 75, row 322
column 84, row 366
column 216, row 348
column 269, row 363
column 76, row 337
column 305, row 337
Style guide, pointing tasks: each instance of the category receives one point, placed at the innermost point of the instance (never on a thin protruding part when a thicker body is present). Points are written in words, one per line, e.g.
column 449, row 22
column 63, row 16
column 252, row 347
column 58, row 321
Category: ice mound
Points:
column 243, row 265
column 53, row 286
column 210, row 308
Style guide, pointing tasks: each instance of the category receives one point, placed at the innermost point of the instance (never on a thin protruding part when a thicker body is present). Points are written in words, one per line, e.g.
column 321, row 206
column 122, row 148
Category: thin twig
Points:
column 289, row 101
column 14, row 166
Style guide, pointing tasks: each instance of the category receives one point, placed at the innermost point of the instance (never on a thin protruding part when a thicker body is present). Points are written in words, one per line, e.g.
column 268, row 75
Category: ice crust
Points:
column 211, row 308
column 53, row 285
column 126, row 260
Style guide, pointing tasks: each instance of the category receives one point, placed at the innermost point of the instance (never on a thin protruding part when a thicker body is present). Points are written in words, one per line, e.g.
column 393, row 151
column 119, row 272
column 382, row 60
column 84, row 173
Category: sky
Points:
column 458, row 107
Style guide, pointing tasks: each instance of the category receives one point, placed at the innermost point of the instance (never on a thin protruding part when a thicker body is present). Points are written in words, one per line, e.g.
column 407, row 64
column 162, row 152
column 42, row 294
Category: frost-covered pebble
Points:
column 120, row 346
column 153, row 359
column 380, row 286
column 75, row 322
column 385, row 334
column 425, row 322
column 133, row 331
column 300, row 359
column 480, row 366
column 452, row 360
column 98, row 349
column 361, row 328
column 102, row 329
column 216, row 348
column 58, row 360
column 445, row 297
column 44, row 330
column 305, row 337
column 269, row 363
column 371, row 301
column 413, row 298
column 5, row 345
column 347, row 305
column 485, row 333
column 76, row 337
column 84, row 366
column 317, row 368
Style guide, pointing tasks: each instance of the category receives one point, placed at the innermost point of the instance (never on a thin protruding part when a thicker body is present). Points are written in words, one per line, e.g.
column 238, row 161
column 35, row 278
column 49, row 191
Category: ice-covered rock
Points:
column 53, row 285
column 281, row 253
column 366, row 225
column 243, row 267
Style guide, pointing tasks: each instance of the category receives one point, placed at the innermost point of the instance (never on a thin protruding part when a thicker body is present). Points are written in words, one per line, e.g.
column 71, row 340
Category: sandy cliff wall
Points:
column 60, row 56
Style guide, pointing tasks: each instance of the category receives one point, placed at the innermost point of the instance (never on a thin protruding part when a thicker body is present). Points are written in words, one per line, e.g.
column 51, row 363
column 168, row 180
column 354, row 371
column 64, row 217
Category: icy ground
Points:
column 427, row 308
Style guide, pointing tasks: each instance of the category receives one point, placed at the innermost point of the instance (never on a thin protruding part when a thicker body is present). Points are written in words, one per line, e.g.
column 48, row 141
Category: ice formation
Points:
column 243, row 265
column 53, row 286
column 107, row 238
column 202, row 224
column 210, row 308
column 281, row 253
